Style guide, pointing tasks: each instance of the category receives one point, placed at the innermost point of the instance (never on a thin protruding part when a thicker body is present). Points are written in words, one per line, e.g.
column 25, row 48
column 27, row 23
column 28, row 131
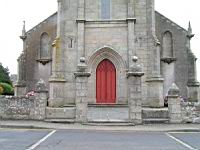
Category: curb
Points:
column 22, row 127
column 185, row 130
column 102, row 127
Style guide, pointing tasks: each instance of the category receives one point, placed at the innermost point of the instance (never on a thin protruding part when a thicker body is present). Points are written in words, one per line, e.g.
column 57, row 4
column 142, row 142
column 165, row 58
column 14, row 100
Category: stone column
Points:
column 154, row 79
column 131, row 20
column 134, row 92
column 40, row 100
column 81, row 31
column 174, row 104
column 193, row 90
column 81, row 94
column 193, row 84
column 20, row 87
column 57, row 79
column 81, row 75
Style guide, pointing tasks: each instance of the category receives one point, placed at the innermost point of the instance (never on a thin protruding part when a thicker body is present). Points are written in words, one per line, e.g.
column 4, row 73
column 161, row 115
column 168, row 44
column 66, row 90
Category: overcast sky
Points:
column 13, row 12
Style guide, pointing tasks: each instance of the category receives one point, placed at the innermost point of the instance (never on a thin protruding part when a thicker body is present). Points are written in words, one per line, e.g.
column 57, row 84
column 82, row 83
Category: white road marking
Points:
column 181, row 142
column 40, row 141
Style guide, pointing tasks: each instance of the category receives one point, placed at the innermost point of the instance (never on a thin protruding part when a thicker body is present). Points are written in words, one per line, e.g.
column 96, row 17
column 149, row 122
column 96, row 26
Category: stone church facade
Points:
column 106, row 59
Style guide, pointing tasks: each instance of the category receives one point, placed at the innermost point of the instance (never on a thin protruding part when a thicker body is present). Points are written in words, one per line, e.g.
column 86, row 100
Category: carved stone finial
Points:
column 189, row 28
column 23, row 36
column 135, row 59
column 82, row 59
column 135, row 68
column 190, row 34
column 173, row 90
column 41, row 86
column 82, row 64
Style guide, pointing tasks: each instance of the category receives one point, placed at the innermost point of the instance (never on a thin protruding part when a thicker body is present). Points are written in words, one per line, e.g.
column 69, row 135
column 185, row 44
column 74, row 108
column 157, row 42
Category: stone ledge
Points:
column 82, row 74
column 20, row 84
column 56, row 79
column 193, row 84
column 106, row 21
column 153, row 79
column 168, row 60
column 44, row 61
column 135, row 74
column 131, row 19
column 80, row 20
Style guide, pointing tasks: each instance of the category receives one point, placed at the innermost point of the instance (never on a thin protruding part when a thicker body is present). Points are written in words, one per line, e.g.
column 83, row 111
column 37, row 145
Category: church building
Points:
column 107, row 60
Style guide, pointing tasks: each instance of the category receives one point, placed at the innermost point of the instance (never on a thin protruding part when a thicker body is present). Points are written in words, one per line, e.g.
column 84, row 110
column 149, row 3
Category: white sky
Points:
column 13, row 12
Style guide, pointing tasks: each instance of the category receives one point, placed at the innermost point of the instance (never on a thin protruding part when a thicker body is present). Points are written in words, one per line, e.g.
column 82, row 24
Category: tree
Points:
column 5, row 82
column 4, row 75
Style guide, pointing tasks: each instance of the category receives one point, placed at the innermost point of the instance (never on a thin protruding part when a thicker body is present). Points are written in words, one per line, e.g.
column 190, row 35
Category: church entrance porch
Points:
column 106, row 83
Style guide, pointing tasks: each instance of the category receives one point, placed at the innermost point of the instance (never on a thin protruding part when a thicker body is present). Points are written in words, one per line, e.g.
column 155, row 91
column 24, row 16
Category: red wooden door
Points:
column 106, row 82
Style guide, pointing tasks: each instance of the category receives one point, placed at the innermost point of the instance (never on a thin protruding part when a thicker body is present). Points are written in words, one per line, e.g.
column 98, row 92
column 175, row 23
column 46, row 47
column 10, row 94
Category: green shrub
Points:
column 7, row 89
column 4, row 75
column 1, row 90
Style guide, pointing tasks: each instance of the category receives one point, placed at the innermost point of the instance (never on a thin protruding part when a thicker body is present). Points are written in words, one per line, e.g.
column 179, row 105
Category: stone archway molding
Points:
column 105, row 52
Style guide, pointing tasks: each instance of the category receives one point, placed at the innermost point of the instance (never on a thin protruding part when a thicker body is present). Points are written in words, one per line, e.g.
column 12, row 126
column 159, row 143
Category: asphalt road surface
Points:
column 20, row 139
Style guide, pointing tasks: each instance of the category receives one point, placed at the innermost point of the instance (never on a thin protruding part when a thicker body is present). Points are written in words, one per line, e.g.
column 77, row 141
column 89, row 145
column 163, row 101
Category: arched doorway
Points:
column 105, row 82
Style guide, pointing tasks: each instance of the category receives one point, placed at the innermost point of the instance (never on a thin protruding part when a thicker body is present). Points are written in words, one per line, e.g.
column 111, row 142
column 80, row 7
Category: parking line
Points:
column 181, row 142
column 41, row 140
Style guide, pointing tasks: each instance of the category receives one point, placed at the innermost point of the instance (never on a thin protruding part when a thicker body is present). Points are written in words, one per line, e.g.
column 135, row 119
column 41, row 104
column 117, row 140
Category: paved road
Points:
column 11, row 139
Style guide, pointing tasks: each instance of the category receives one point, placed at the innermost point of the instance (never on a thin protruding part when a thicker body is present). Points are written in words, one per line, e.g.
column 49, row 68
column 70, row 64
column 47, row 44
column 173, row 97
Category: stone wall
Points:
column 37, row 68
column 20, row 108
column 190, row 112
column 25, row 107
column 17, row 107
column 181, row 111
column 179, row 62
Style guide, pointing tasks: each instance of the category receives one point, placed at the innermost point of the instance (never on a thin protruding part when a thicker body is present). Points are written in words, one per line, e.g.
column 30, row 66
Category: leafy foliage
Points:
column 1, row 90
column 4, row 75
column 5, row 82
column 7, row 89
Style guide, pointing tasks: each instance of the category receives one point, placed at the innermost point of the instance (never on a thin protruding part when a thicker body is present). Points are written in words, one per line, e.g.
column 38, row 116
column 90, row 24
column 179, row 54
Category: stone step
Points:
column 155, row 113
column 107, row 105
column 60, row 120
column 61, row 113
column 94, row 123
column 105, row 114
column 155, row 121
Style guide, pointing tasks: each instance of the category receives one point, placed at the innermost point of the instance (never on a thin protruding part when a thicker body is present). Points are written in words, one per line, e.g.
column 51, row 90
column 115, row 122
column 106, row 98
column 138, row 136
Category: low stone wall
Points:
column 180, row 111
column 22, row 108
column 190, row 112
column 30, row 108
column 34, row 107
column 17, row 107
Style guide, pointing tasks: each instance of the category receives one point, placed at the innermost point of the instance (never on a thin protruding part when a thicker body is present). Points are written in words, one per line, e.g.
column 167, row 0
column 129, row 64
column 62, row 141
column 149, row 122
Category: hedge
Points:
column 7, row 89
column 1, row 90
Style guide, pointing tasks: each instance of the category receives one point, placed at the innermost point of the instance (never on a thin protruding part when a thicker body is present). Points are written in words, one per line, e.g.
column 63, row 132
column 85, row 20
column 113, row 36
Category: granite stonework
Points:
column 25, row 107
column 174, row 105
column 190, row 112
column 35, row 107
column 65, row 50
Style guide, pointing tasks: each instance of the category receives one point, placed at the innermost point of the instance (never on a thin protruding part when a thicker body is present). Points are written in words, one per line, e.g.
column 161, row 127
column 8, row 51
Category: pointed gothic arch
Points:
column 107, row 53
column 44, row 46
column 106, row 82
column 167, row 45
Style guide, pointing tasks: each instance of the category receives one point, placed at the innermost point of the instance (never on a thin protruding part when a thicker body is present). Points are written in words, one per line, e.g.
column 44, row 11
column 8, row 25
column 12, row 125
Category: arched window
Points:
column 167, row 50
column 44, row 46
column 105, row 9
